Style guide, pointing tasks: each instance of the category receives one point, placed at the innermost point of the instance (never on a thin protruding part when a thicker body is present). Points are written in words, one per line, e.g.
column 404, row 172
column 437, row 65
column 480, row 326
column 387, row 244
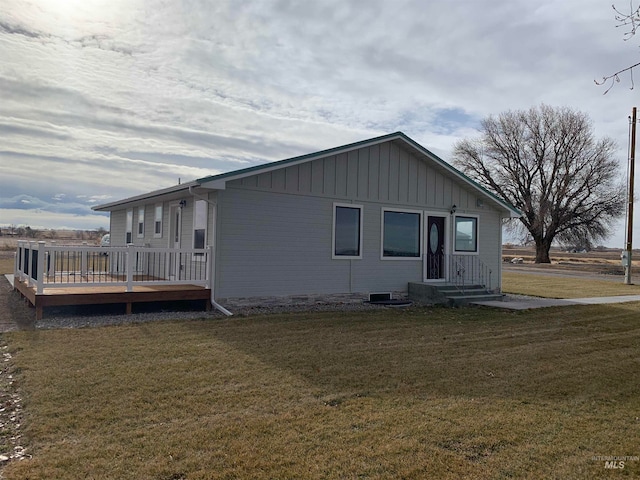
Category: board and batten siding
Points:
column 118, row 225
column 380, row 173
column 275, row 228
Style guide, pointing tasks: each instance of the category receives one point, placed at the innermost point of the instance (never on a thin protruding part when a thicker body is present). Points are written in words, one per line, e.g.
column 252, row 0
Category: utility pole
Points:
column 632, row 158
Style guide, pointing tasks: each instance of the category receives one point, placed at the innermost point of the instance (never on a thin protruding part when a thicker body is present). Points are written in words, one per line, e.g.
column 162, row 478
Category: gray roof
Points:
column 219, row 181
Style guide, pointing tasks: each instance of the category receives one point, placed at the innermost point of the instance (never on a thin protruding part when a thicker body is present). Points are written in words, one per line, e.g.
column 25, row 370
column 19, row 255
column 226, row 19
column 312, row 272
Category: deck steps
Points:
column 450, row 294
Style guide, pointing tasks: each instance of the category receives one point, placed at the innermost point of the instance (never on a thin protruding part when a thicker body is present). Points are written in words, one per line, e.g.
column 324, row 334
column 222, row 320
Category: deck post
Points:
column 40, row 269
column 129, row 266
column 20, row 262
column 16, row 265
column 29, row 271
column 51, row 261
column 83, row 261
column 209, row 267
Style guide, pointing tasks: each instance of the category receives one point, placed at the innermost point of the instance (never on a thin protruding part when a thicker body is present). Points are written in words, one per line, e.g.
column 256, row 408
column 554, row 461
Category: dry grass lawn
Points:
column 6, row 262
column 550, row 286
column 418, row 393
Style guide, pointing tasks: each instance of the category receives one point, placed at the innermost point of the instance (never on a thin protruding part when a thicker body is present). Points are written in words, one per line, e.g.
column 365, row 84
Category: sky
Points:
column 105, row 99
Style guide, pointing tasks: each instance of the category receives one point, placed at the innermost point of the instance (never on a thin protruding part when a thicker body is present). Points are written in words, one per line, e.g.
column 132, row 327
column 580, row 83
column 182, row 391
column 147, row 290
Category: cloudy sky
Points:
column 103, row 99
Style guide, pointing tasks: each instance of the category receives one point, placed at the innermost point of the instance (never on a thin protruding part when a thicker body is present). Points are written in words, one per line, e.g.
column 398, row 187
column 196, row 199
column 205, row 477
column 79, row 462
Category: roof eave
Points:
column 105, row 207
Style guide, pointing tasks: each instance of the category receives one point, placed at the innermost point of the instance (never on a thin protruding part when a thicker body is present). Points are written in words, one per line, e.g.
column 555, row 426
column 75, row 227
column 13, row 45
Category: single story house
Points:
column 367, row 217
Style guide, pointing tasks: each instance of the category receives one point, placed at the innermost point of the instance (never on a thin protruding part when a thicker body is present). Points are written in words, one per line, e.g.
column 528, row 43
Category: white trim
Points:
column 199, row 258
column 128, row 226
column 157, row 234
column 453, row 234
column 173, row 208
column 420, row 233
column 138, row 233
column 333, row 232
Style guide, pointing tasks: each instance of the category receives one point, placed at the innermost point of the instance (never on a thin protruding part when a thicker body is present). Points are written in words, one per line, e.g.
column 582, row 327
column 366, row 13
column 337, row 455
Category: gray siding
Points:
column 118, row 225
column 279, row 244
column 382, row 173
column 275, row 228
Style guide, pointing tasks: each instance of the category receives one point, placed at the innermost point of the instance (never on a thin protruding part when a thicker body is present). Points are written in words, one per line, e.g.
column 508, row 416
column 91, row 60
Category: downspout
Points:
column 212, row 273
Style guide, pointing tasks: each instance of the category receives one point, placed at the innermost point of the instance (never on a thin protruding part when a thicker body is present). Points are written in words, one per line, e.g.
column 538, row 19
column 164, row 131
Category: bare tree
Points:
column 631, row 21
column 547, row 163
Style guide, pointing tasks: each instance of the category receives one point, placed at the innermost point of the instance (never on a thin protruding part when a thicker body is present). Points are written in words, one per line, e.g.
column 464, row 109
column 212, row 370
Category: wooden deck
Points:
column 101, row 295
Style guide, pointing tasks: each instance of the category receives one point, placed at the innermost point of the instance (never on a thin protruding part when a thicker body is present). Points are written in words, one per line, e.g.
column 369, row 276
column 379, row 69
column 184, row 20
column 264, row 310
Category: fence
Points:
column 53, row 266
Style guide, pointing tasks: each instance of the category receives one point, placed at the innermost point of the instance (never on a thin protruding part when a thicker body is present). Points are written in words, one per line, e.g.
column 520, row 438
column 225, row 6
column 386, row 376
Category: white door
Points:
column 175, row 233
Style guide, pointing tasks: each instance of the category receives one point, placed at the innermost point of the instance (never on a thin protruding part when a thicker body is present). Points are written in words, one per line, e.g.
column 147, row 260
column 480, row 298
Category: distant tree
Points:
column 547, row 163
column 30, row 232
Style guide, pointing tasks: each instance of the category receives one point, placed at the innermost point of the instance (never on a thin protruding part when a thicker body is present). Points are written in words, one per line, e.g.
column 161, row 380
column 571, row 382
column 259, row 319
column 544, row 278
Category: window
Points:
column 466, row 234
column 129, row 235
column 401, row 234
column 140, row 222
column 347, row 231
column 157, row 223
column 199, row 226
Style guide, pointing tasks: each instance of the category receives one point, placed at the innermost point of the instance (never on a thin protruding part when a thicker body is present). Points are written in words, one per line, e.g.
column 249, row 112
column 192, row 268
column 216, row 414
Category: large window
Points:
column 140, row 222
column 347, row 231
column 401, row 234
column 129, row 230
column 157, row 222
column 466, row 234
column 199, row 225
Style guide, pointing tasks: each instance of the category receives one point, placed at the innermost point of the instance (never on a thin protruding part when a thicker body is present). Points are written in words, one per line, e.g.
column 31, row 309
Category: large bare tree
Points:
column 547, row 163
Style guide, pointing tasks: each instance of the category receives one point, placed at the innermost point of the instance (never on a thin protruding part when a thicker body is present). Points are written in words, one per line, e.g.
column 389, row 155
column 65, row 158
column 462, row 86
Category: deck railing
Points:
column 55, row 266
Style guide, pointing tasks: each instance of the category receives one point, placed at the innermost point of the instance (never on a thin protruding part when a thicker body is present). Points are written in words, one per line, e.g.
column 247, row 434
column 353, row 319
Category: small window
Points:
column 401, row 234
column 129, row 230
column 140, row 222
column 347, row 231
column 157, row 223
column 466, row 234
column 199, row 226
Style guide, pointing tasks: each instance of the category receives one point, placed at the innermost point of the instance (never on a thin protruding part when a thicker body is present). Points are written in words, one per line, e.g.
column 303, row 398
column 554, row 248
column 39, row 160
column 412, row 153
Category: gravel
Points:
column 16, row 314
column 96, row 320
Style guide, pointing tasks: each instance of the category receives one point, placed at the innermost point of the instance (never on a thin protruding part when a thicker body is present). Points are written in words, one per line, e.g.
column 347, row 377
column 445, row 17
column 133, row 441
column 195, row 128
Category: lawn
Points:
column 550, row 286
column 417, row 393
column 6, row 262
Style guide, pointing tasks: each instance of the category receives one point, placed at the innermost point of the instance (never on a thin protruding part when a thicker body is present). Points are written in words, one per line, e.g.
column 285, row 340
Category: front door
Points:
column 435, row 248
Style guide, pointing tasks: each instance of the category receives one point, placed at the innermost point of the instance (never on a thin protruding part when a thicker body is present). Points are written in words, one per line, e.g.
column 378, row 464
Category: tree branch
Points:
column 616, row 79
column 631, row 19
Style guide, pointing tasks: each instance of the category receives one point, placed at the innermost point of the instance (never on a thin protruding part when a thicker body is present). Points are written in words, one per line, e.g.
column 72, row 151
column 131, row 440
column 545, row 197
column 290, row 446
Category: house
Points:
column 362, row 218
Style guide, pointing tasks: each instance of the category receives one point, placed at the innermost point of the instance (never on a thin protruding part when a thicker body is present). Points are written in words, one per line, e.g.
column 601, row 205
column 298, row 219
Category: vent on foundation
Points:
column 379, row 297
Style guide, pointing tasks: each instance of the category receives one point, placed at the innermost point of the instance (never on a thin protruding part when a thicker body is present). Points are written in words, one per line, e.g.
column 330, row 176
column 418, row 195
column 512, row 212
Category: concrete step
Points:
column 468, row 292
column 449, row 294
column 462, row 300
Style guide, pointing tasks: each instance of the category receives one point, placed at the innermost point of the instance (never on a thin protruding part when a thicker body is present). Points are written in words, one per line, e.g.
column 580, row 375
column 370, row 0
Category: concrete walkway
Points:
column 517, row 302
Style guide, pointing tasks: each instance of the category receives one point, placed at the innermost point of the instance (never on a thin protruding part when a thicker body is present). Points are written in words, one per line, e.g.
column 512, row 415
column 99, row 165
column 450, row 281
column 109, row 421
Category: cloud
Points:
column 109, row 99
